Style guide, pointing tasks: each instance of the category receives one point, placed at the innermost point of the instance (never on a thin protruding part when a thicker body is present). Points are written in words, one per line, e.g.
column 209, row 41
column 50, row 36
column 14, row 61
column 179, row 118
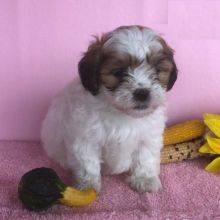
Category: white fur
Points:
column 82, row 131
column 87, row 133
column 134, row 41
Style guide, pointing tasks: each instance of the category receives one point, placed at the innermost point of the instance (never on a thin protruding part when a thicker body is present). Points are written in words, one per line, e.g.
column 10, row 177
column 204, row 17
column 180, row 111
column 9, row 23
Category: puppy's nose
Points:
column 141, row 94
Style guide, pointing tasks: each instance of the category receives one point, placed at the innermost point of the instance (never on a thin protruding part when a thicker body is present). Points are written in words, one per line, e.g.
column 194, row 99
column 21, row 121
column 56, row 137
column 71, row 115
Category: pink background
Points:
column 42, row 40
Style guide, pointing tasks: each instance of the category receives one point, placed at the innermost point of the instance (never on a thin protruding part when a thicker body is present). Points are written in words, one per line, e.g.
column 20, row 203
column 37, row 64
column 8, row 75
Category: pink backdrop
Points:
column 42, row 40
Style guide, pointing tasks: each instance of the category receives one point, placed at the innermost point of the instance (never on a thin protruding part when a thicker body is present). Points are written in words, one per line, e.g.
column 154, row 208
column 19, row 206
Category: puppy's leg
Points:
column 145, row 169
column 85, row 165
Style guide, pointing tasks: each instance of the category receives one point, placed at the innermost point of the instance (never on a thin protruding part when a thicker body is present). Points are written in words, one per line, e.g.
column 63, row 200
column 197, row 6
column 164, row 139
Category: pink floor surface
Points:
column 188, row 191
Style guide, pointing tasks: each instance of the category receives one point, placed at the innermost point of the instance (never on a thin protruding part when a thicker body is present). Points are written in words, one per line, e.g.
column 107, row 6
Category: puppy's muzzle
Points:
column 141, row 97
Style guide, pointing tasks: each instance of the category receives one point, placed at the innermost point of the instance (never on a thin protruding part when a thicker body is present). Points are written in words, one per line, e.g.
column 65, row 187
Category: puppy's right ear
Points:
column 89, row 67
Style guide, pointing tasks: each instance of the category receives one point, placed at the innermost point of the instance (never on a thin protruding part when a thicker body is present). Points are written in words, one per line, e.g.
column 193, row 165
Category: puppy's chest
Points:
column 120, row 135
column 121, row 141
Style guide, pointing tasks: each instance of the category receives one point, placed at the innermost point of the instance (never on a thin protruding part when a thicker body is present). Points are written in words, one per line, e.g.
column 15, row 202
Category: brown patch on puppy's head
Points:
column 108, row 68
column 165, row 65
column 89, row 65
column 114, row 69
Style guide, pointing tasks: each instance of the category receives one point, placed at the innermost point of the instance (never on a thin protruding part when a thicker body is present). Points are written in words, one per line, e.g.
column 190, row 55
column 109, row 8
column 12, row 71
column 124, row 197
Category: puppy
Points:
column 112, row 117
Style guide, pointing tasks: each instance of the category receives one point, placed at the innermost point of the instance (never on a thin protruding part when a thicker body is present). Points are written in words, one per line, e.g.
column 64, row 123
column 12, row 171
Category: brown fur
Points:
column 114, row 69
column 89, row 65
column 165, row 65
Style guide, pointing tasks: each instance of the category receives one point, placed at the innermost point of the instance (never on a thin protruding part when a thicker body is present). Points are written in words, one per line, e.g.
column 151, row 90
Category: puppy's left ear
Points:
column 173, row 76
column 89, row 67
column 167, row 66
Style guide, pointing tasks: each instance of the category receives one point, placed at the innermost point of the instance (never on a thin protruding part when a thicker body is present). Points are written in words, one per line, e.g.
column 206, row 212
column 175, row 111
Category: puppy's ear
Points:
column 89, row 67
column 166, row 66
column 173, row 76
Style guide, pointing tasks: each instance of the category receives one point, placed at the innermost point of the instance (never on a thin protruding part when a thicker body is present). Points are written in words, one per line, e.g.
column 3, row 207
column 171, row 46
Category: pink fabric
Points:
column 42, row 40
column 189, row 192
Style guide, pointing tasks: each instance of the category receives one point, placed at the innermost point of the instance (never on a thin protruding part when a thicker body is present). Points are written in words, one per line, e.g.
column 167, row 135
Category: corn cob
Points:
column 182, row 151
column 183, row 132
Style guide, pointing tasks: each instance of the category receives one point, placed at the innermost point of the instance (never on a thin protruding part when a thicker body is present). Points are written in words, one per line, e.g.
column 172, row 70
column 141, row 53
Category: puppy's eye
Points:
column 119, row 73
column 147, row 58
column 157, row 70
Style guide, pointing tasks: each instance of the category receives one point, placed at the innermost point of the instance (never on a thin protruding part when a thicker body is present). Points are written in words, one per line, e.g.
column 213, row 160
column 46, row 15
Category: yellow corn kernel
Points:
column 185, row 131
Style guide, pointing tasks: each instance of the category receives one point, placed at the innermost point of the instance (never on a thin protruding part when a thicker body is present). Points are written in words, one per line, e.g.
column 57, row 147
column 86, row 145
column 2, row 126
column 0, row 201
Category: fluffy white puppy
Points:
column 112, row 118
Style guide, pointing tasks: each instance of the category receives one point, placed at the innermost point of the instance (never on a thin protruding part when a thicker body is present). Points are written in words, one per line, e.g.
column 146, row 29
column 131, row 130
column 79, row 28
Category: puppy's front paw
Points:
column 92, row 183
column 145, row 184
